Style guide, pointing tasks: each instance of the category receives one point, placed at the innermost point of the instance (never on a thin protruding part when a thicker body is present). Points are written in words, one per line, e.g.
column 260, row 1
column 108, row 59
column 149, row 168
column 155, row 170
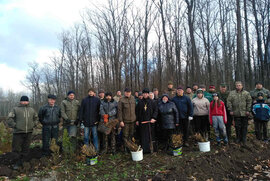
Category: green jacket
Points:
column 207, row 95
column 70, row 110
column 191, row 95
column 224, row 97
column 254, row 93
column 22, row 119
column 239, row 103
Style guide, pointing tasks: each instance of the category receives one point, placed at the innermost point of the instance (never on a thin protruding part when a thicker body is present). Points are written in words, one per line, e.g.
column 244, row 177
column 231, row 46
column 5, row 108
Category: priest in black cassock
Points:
column 146, row 115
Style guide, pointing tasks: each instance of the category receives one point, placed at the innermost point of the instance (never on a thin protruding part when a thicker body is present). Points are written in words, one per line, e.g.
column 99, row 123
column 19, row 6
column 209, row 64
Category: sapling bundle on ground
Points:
column 111, row 124
column 199, row 138
column 54, row 147
column 132, row 146
column 89, row 150
column 176, row 140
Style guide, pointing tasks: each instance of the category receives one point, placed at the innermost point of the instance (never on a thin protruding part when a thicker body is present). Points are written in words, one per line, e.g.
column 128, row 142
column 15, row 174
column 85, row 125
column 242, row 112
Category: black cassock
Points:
column 146, row 110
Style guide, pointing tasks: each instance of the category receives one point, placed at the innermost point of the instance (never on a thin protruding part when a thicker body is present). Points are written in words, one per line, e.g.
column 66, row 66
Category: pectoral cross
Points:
column 145, row 107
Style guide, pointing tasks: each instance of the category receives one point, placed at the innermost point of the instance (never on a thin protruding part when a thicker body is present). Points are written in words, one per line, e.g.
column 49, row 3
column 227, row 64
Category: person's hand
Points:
column 122, row 124
column 153, row 120
column 137, row 123
column 231, row 113
column 247, row 113
column 176, row 124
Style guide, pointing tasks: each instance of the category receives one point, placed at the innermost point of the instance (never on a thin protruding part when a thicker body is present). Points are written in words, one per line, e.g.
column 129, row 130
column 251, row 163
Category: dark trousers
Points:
column 167, row 133
column 48, row 133
column 201, row 125
column 261, row 129
column 21, row 143
column 184, row 128
column 229, row 126
column 241, row 124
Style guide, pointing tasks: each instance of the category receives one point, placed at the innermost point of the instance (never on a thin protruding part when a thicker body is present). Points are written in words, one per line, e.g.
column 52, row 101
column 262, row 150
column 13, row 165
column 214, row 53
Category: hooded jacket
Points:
column 22, row 119
column 168, row 115
column 200, row 106
column 261, row 111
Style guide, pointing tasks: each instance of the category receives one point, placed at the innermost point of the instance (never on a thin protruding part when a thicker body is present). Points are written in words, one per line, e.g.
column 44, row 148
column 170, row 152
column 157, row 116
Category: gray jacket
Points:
column 109, row 108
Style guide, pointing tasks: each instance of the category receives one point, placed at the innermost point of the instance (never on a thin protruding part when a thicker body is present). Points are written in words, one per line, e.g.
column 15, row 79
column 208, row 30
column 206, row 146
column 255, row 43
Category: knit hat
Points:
column 24, row 98
column 140, row 94
column 215, row 94
column 145, row 90
column 199, row 91
column 51, row 96
column 188, row 87
column 108, row 94
column 164, row 96
column 180, row 87
column 202, row 86
column 70, row 92
column 260, row 94
column 127, row 89
column 212, row 87
column 258, row 82
column 170, row 83
column 101, row 91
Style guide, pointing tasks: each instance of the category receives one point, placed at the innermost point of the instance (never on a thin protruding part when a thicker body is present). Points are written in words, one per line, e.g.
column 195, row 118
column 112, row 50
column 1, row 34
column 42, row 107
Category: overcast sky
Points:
column 28, row 32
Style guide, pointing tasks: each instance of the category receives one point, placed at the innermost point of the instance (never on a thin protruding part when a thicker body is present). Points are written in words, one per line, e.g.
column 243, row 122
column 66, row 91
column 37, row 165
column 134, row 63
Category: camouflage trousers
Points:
column 109, row 138
column 128, row 131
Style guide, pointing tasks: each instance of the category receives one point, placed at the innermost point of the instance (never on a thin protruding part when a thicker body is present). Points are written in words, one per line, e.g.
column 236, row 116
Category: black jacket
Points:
column 151, row 111
column 168, row 115
column 89, row 113
column 49, row 115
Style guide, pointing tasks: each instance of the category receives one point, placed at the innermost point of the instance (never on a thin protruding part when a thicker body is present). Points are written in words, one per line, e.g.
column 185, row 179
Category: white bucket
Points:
column 137, row 155
column 204, row 146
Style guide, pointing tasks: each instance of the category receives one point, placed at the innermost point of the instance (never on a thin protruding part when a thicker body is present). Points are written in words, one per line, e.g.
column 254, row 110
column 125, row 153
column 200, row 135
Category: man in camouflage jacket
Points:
column 239, row 104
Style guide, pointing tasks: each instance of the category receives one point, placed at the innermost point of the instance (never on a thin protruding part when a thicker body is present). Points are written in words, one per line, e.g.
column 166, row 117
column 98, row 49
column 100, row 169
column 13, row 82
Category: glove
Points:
column 190, row 118
column 77, row 122
column 72, row 122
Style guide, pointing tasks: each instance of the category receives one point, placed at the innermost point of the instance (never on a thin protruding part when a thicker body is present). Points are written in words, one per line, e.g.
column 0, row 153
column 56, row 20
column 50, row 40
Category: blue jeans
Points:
column 220, row 128
column 94, row 134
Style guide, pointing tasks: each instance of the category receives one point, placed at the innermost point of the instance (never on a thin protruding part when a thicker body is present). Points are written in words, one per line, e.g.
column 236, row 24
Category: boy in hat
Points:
column 49, row 116
column 261, row 113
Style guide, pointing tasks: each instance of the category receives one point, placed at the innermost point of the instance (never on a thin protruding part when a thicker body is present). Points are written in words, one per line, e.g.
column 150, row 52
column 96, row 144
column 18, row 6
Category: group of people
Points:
column 147, row 116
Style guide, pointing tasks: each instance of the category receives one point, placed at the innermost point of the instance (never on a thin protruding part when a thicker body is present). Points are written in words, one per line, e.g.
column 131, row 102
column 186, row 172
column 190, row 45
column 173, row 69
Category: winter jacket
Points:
column 261, row 111
column 126, row 109
column 217, row 111
column 70, row 110
column 266, row 93
column 168, row 115
column 109, row 108
column 49, row 115
column 200, row 106
column 170, row 92
column 239, row 103
column 22, row 119
column 89, row 111
column 184, row 106
column 206, row 95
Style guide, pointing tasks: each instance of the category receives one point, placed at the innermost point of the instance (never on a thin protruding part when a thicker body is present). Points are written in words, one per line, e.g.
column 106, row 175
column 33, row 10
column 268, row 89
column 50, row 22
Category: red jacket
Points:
column 217, row 111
